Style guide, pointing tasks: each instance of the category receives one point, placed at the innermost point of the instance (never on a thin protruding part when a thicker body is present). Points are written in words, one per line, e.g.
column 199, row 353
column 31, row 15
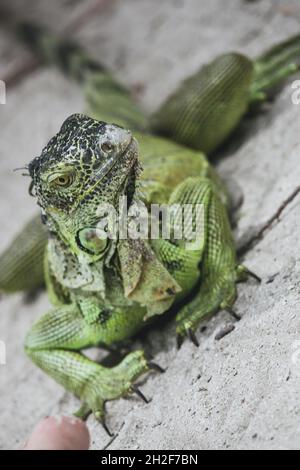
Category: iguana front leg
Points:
column 220, row 270
column 53, row 342
column 214, row 257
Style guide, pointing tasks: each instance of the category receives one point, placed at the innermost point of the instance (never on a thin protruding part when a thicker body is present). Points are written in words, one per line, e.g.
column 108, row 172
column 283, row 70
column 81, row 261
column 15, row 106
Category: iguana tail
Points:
column 107, row 99
column 21, row 265
column 274, row 66
column 69, row 57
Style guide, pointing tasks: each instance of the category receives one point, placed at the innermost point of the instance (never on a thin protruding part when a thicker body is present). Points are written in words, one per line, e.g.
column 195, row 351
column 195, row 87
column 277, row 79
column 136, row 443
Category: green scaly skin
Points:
column 103, row 292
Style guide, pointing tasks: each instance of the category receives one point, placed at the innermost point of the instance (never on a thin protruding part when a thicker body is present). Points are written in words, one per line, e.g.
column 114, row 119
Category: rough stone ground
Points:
column 238, row 393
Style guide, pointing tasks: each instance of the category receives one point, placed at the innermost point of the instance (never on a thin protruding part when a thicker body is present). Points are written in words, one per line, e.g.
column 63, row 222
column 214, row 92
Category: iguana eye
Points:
column 106, row 147
column 62, row 181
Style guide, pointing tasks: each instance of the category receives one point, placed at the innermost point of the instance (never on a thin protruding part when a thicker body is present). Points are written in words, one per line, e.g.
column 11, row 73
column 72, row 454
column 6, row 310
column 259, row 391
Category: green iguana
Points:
column 104, row 290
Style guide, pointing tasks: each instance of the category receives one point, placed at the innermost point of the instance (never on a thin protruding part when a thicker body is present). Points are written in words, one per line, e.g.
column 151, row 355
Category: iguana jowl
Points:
column 102, row 291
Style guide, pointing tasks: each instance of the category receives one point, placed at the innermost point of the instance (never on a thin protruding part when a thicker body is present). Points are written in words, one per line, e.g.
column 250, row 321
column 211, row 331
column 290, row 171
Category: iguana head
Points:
column 86, row 164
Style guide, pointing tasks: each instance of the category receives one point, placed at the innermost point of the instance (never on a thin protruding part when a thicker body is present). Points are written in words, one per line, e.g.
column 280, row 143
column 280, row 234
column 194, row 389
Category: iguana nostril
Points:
column 118, row 141
column 107, row 147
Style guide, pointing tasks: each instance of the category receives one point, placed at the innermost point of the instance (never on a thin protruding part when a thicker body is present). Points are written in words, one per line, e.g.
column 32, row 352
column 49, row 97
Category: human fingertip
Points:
column 59, row 433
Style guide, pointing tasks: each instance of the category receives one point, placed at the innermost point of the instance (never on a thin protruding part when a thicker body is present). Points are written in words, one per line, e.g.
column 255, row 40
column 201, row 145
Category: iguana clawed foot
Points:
column 207, row 302
column 84, row 412
column 52, row 344
column 97, row 404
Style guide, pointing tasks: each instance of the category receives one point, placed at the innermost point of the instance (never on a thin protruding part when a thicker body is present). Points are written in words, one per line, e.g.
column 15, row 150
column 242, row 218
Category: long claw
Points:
column 136, row 390
column 99, row 416
column 193, row 337
column 106, row 429
column 255, row 276
column 235, row 315
column 156, row 367
column 244, row 273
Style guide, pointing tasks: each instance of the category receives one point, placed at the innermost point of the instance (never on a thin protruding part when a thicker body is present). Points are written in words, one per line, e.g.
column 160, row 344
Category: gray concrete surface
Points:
column 243, row 391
